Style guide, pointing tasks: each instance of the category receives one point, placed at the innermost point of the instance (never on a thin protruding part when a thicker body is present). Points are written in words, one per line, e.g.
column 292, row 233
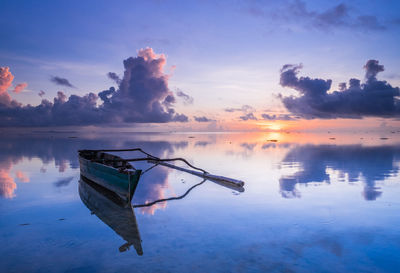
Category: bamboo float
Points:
column 221, row 180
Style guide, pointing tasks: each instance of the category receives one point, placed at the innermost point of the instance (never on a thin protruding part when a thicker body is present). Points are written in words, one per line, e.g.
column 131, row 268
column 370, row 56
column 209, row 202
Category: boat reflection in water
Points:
column 112, row 210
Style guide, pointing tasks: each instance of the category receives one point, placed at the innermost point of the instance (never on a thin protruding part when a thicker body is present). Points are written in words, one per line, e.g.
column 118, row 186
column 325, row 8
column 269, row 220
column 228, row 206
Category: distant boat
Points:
column 109, row 171
column 110, row 209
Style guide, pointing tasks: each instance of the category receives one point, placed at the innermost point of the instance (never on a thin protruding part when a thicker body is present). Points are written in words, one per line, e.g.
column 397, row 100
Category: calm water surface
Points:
column 311, row 203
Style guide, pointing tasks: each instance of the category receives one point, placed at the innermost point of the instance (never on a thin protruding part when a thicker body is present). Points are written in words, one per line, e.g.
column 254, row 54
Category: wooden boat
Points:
column 112, row 211
column 109, row 171
column 118, row 175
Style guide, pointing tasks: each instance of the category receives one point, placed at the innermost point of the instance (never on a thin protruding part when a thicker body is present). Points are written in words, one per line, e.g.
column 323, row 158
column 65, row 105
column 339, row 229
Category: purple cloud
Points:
column 278, row 117
column 61, row 81
column 186, row 98
column 143, row 96
column 335, row 17
column 202, row 119
column 372, row 98
column 245, row 108
column 247, row 112
column 113, row 76
column 248, row 116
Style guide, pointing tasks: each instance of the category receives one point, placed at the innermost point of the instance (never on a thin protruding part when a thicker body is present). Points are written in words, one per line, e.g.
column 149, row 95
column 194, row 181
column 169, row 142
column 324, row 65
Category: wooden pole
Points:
column 221, row 180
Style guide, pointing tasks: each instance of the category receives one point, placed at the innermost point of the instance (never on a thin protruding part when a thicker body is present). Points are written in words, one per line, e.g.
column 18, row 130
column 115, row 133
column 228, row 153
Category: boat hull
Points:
column 122, row 183
column 109, row 210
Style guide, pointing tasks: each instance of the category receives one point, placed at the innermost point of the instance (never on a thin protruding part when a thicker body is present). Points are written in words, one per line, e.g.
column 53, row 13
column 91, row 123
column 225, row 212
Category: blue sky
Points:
column 226, row 53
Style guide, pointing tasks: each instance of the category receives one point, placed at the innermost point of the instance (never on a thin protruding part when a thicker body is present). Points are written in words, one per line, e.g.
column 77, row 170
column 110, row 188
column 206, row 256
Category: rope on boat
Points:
column 171, row 198
column 148, row 169
column 149, row 158
column 178, row 159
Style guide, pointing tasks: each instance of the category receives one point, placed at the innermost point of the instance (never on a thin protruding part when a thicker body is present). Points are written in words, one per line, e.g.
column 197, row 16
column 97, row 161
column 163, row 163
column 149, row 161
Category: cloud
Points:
column 19, row 87
column 61, row 81
column 202, row 143
column 372, row 98
column 372, row 68
column 7, row 184
column 62, row 182
column 202, row 119
column 247, row 111
column 278, row 117
column 248, row 116
column 297, row 13
column 22, row 177
column 142, row 96
column 186, row 98
column 6, row 79
column 244, row 108
column 248, row 146
column 41, row 93
column 113, row 76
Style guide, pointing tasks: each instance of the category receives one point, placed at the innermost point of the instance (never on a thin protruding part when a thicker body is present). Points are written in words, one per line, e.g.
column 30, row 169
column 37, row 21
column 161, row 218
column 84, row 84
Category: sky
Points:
column 200, row 65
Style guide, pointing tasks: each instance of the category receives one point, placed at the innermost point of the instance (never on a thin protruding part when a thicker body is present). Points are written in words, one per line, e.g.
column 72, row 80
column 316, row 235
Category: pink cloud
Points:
column 6, row 79
column 153, row 187
column 157, row 193
column 7, row 183
column 20, row 87
column 22, row 177
column 156, row 61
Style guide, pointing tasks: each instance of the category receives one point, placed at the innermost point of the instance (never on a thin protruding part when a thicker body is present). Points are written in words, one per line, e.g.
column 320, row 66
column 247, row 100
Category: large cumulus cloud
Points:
column 142, row 96
column 143, row 92
column 371, row 98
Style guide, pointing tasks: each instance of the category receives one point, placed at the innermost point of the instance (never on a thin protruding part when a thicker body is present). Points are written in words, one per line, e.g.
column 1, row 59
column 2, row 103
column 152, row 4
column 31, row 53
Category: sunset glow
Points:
column 200, row 136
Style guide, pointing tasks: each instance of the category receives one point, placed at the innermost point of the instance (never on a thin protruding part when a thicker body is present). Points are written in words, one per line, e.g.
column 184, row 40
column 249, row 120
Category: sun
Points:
column 275, row 126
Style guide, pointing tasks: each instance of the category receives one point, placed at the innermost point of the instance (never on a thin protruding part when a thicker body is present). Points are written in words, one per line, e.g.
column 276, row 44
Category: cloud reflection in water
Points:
column 63, row 152
column 356, row 162
column 7, row 180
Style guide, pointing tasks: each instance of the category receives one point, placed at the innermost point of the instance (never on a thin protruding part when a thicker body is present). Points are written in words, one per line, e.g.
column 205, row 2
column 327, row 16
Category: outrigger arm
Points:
column 221, row 180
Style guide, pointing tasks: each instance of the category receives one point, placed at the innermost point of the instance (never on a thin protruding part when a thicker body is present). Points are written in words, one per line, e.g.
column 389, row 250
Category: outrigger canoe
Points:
column 109, row 171
column 118, row 175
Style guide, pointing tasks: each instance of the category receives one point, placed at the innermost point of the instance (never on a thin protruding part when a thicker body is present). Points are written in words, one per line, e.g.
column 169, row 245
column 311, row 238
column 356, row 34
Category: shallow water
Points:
column 311, row 203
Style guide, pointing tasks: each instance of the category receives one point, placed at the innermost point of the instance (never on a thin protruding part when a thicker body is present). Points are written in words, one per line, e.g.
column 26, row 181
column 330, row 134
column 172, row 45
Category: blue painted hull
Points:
column 123, row 183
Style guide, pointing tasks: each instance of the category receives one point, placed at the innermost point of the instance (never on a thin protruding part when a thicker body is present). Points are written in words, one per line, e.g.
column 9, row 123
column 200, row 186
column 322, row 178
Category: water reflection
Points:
column 221, row 231
column 63, row 182
column 112, row 211
column 62, row 152
column 152, row 186
column 202, row 143
column 353, row 162
column 7, row 178
column 312, row 163
column 7, row 184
